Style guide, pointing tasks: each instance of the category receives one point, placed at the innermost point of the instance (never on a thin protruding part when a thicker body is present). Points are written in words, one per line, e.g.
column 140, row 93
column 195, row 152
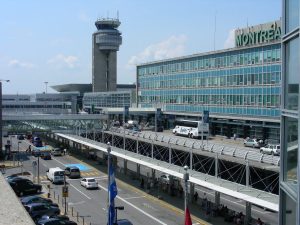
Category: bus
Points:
column 192, row 129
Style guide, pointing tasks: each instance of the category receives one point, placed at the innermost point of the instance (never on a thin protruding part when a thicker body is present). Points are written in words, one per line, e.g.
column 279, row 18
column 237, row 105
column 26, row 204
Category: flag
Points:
column 188, row 220
column 112, row 189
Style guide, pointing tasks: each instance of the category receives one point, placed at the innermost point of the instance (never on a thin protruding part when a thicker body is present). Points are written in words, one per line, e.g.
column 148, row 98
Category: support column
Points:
column 152, row 149
column 125, row 166
column 191, row 159
column 153, row 174
column 192, row 192
column 137, row 146
column 248, row 214
column 217, row 198
column 138, row 170
column 247, row 173
column 170, row 155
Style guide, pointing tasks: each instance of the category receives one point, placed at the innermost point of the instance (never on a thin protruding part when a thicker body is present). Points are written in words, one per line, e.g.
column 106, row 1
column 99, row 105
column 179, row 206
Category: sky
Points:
column 51, row 40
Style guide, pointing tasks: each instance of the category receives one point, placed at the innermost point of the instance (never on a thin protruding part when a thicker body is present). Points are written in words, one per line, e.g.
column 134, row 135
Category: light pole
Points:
column 1, row 113
column 19, row 152
column 185, row 178
column 46, row 83
column 108, row 181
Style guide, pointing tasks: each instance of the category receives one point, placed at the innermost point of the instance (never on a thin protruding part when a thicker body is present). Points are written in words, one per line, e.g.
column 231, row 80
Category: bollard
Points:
column 77, row 217
column 72, row 211
column 54, row 194
column 58, row 199
column 83, row 220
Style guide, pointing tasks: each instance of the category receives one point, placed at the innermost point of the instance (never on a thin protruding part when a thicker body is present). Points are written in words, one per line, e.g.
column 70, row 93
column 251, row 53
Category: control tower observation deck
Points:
column 106, row 42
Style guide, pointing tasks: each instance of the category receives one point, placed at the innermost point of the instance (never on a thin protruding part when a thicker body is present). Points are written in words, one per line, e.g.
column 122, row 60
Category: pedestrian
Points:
column 65, row 151
column 259, row 222
column 142, row 183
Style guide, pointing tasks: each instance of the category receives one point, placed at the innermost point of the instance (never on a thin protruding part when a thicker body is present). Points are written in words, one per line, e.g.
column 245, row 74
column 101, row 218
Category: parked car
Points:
column 72, row 172
column 254, row 143
column 271, row 149
column 20, row 137
column 60, row 217
column 55, row 221
column 24, row 186
column 89, row 183
column 37, row 210
column 56, row 152
column 56, row 175
column 37, row 199
column 46, row 155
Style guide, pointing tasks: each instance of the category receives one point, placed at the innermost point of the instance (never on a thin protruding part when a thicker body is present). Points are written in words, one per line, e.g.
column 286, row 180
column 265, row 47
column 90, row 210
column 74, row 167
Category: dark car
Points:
column 24, row 186
column 37, row 210
column 37, row 199
column 60, row 217
column 72, row 172
column 20, row 137
column 54, row 221
column 36, row 152
column 124, row 222
column 46, row 155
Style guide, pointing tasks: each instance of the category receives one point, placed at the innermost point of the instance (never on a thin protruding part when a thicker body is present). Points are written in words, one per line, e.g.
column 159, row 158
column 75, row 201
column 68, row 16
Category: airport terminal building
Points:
column 240, row 86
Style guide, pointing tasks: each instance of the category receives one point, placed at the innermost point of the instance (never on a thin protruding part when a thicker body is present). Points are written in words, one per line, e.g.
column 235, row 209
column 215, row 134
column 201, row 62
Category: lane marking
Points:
column 135, row 207
column 80, row 191
column 76, row 203
column 59, row 162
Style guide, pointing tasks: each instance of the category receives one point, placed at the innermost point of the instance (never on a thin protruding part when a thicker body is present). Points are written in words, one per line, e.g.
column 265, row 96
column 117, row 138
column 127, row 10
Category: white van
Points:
column 55, row 175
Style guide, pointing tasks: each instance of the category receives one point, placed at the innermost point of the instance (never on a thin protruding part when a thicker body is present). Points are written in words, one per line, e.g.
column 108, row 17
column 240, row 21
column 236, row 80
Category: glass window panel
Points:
column 289, row 210
column 292, row 14
column 291, row 140
column 292, row 74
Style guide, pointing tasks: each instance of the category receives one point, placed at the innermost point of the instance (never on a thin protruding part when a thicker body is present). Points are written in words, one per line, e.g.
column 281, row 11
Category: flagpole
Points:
column 108, row 181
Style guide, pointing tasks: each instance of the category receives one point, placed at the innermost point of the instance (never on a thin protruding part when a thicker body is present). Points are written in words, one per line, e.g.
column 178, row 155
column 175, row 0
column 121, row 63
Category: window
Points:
column 292, row 74
column 292, row 14
column 291, row 140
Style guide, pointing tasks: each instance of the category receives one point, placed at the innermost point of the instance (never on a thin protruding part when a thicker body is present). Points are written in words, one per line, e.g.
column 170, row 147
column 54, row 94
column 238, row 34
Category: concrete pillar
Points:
column 137, row 146
column 138, row 170
column 152, row 149
column 125, row 166
column 192, row 192
column 112, row 140
column 247, row 173
column 153, row 174
column 217, row 198
column 191, row 159
column 216, row 165
column 170, row 155
column 248, row 214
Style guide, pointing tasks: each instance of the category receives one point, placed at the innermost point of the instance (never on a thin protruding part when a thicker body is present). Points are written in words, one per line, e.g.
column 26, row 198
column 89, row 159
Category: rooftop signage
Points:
column 259, row 34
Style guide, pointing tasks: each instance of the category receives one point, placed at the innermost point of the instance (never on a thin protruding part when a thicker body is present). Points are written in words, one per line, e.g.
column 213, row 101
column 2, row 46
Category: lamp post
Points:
column 46, row 83
column 108, row 176
column 19, row 152
column 1, row 113
column 185, row 178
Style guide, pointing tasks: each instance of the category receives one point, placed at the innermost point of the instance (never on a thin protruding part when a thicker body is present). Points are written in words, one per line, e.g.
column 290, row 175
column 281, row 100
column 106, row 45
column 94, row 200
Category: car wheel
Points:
column 191, row 136
column 272, row 153
column 175, row 133
column 261, row 151
column 38, row 191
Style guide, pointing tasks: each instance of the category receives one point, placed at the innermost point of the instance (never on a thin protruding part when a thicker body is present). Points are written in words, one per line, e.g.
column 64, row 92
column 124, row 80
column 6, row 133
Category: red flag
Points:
column 188, row 220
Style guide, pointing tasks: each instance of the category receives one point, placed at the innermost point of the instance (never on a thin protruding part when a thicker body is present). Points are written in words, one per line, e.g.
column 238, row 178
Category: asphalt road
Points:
column 139, row 208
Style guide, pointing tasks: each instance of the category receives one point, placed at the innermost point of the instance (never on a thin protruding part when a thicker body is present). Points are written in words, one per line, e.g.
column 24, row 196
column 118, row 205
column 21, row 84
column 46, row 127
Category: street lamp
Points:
column 185, row 178
column 46, row 83
column 19, row 142
column 1, row 113
column 116, row 210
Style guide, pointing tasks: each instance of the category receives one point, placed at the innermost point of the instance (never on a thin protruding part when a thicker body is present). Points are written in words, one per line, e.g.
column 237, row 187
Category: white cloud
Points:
column 172, row 47
column 229, row 43
column 17, row 64
column 61, row 60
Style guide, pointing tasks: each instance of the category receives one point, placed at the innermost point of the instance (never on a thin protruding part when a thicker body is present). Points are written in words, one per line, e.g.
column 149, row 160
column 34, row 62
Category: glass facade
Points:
column 289, row 181
column 106, row 99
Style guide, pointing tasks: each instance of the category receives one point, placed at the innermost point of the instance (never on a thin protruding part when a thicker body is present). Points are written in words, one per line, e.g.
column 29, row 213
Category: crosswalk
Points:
column 83, row 174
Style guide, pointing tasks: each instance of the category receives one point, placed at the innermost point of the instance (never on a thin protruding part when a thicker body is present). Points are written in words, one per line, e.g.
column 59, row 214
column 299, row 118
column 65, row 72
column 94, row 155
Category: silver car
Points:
column 254, row 143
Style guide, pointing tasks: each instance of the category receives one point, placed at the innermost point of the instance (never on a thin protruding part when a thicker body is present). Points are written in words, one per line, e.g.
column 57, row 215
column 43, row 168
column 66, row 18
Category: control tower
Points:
column 106, row 42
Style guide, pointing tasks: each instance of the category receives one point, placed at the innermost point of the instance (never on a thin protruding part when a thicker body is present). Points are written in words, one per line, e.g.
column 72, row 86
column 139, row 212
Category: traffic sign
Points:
column 65, row 191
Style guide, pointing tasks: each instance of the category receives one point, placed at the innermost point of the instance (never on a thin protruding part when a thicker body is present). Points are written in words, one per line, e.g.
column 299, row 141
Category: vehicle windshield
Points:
column 59, row 173
column 91, row 180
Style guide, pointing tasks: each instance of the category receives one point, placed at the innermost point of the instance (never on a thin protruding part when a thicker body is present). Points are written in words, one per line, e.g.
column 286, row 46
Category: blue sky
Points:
column 52, row 40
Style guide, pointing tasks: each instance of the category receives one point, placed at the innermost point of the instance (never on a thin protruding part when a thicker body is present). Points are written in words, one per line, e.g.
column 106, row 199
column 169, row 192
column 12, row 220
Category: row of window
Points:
column 231, row 59
column 36, row 106
column 233, row 80
column 225, row 100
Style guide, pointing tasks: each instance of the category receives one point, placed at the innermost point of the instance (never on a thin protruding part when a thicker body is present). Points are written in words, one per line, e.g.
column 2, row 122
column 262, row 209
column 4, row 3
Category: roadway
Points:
column 139, row 207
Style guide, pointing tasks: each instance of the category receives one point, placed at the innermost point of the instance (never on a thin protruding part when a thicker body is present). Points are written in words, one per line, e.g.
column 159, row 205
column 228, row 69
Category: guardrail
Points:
column 233, row 151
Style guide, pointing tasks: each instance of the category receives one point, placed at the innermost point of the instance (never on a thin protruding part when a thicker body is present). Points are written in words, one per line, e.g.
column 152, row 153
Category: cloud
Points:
column 17, row 64
column 172, row 47
column 61, row 60
column 229, row 43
